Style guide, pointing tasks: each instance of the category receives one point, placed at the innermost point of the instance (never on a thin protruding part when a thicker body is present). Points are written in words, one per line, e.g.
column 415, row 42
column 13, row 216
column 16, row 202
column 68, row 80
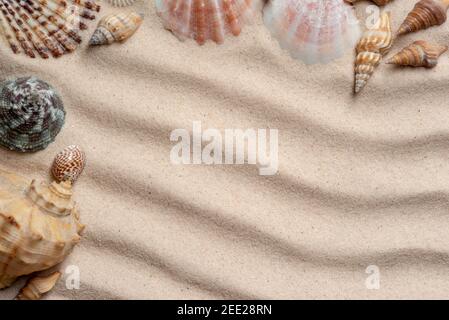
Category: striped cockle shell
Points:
column 39, row 225
column 46, row 27
column 374, row 44
column 419, row 54
column 31, row 114
column 425, row 14
column 314, row 31
column 68, row 164
column 116, row 28
column 204, row 20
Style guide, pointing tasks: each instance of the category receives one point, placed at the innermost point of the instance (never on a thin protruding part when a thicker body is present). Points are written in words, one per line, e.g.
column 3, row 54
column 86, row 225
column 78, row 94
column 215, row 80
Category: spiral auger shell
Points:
column 31, row 114
column 419, row 54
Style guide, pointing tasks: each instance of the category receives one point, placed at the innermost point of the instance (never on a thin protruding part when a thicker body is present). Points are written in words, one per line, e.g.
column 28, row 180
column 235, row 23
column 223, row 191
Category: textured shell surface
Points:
column 378, row 2
column 39, row 225
column 121, row 3
column 313, row 31
column 419, row 54
column 373, row 45
column 69, row 164
column 204, row 20
column 31, row 114
column 425, row 14
column 46, row 27
column 37, row 286
column 116, row 28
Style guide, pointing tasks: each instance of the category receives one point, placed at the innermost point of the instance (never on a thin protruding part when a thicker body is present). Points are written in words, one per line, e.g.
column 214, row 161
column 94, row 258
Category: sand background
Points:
column 362, row 181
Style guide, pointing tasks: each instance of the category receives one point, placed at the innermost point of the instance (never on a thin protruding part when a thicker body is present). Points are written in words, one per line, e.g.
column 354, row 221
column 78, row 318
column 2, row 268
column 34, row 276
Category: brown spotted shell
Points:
column 68, row 164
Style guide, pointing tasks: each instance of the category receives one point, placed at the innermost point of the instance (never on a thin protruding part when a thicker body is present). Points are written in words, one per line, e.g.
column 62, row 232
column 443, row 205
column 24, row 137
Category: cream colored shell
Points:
column 39, row 225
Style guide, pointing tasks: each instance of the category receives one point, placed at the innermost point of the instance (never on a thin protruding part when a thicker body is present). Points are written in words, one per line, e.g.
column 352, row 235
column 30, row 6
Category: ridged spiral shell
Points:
column 37, row 286
column 116, row 28
column 68, row 164
column 31, row 114
column 39, row 225
column 373, row 45
column 46, row 27
column 314, row 31
column 419, row 54
column 425, row 14
column 204, row 20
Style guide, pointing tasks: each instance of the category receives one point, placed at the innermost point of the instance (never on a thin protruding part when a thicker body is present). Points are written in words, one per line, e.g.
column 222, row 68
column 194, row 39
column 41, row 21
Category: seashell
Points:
column 425, row 14
column 37, row 286
column 419, row 54
column 374, row 44
column 68, row 164
column 121, row 3
column 116, row 27
column 378, row 2
column 314, row 31
column 31, row 114
column 39, row 225
column 204, row 20
column 46, row 27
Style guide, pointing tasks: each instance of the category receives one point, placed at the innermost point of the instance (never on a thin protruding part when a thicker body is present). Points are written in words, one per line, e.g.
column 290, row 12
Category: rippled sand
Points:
column 362, row 181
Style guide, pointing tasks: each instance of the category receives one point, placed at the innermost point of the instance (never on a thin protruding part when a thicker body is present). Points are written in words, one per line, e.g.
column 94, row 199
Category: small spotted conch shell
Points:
column 425, row 14
column 116, row 28
column 374, row 44
column 314, row 31
column 37, row 286
column 378, row 2
column 204, row 20
column 419, row 54
column 31, row 114
column 68, row 164
column 39, row 227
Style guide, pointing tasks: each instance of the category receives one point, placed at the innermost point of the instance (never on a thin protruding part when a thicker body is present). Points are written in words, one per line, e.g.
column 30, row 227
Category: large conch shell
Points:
column 204, row 20
column 374, row 44
column 419, row 54
column 378, row 2
column 39, row 225
column 425, row 14
column 37, row 286
column 116, row 28
column 314, row 31
column 48, row 27
column 31, row 114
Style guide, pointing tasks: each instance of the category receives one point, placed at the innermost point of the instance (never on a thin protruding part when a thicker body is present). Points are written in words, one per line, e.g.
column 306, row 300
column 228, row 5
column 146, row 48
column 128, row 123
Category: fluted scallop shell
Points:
column 121, row 3
column 204, row 20
column 373, row 45
column 37, row 286
column 39, row 225
column 419, row 54
column 425, row 14
column 31, row 114
column 313, row 31
column 46, row 27
column 116, row 28
column 68, row 164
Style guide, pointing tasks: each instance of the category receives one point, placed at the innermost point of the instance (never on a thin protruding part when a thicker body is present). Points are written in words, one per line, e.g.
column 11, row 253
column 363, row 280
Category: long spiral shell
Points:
column 419, row 54
column 116, row 28
column 37, row 286
column 31, row 114
column 373, row 45
column 425, row 14
column 68, row 164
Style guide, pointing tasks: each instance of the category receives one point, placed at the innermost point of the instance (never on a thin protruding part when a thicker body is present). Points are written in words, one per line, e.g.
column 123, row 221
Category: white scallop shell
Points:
column 315, row 31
